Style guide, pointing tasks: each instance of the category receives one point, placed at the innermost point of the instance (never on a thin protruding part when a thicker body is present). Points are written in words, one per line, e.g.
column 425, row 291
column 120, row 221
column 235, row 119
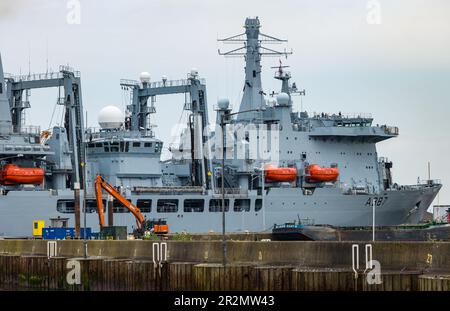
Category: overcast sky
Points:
column 397, row 69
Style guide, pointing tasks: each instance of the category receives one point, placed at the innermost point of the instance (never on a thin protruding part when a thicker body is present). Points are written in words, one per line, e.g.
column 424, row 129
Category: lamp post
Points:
column 84, row 164
column 84, row 205
column 222, row 126
column 373, row 219
column 263, row 181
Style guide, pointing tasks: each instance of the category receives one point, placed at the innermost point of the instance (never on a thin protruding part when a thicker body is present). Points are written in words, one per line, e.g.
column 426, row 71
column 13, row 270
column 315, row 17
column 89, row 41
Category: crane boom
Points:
column 100, row 184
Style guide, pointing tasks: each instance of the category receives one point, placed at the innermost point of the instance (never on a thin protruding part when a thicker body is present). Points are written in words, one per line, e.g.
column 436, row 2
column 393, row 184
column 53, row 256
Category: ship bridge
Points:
column 371, row 134
column 343, row 126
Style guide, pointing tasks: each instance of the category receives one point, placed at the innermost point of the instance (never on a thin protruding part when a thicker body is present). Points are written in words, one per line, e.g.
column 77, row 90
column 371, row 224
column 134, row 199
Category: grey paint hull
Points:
column 326, row 206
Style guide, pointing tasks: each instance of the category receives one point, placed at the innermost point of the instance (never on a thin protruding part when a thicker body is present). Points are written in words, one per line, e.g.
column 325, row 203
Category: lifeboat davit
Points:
column 316, row 173
column 12, row 174
column 280, row 174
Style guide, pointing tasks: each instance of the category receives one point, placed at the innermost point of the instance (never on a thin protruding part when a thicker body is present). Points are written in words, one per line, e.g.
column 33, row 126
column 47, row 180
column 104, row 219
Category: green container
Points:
column 114, row 233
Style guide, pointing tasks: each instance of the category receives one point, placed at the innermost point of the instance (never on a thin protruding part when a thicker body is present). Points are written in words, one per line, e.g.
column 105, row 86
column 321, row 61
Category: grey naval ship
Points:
column 323, row 167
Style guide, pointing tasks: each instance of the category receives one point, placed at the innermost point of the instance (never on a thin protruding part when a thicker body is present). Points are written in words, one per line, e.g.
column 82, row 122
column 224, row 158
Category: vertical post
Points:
column 110, row 211
column 76, row 191
column 373, row 218
column 84, row 208
column 70, row 108
column 262, row 197
column 84, row 164
column 224, row 243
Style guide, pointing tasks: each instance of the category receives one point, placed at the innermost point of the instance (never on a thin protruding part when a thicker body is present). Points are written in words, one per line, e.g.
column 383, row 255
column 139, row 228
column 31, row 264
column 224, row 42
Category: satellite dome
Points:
column 144, row 77
column 110, row 117
column 271, row 101
column 223, row 103
column 283, row 99
column 194, row 72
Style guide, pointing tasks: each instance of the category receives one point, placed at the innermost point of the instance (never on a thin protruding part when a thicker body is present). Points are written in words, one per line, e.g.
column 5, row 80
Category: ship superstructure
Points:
column 280, row 164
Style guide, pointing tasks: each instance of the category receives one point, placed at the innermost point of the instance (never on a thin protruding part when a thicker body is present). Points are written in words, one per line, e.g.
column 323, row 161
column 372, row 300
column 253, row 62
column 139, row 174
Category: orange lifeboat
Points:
column 316, row 173
column 280, row 174
column 12, row 174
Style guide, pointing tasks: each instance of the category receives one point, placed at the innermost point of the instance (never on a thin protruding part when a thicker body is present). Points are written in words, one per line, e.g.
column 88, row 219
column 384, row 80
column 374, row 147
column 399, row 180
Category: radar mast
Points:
column 253, row 50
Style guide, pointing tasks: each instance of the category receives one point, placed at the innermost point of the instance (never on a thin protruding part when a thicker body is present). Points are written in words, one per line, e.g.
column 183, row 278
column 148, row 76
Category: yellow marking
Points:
column 430, row 259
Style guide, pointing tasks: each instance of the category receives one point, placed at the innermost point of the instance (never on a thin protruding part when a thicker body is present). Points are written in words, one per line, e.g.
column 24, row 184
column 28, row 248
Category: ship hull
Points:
column 19, row 209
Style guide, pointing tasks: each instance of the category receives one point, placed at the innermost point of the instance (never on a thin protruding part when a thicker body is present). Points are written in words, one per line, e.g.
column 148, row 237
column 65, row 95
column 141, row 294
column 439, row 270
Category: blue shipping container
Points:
column 63, row 233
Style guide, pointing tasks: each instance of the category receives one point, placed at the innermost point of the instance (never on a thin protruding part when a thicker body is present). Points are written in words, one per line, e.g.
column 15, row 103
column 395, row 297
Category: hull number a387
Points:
column 379, row 201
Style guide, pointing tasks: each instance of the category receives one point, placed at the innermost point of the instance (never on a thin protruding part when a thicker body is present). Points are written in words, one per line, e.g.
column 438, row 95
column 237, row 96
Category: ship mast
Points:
column 5, row 114
column 253, row 50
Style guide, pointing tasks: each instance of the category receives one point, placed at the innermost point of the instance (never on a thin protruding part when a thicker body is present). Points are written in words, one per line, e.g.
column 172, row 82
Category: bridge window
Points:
column 68, row 206
column 215, row 205
column 167, row 206
column 144, row 205
column 194, row 205
column 258, row 205
column 91, row 206
column 146, row 145
column 136, row 144
column 1, row 88
column 119, row 208
column 242, row 205
column 65, row 206
column 115, row 147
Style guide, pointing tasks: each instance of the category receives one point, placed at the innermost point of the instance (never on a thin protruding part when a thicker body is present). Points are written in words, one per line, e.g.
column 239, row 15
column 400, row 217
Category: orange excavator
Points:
column 141, row 223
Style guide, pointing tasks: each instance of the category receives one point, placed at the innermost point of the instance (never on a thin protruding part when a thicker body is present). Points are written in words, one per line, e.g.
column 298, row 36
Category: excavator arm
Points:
column 100, row 184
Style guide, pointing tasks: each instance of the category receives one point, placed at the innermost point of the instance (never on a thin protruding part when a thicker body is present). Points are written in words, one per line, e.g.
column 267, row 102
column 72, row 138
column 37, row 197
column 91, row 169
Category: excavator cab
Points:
column 156, row 226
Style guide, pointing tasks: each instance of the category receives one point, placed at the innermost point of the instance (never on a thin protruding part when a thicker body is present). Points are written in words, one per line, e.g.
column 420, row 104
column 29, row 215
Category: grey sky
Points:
column 398, row 70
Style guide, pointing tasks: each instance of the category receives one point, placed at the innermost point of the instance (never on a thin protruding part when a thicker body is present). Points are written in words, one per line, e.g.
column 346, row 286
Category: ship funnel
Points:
column 5, row 113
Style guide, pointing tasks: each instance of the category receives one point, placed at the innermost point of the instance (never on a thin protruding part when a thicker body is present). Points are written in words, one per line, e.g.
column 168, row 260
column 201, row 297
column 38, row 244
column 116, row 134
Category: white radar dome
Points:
column 110, row 117
column 194, row 72
column 144, row 77
column 283, row 99
column 271, row 101
column 223, row 103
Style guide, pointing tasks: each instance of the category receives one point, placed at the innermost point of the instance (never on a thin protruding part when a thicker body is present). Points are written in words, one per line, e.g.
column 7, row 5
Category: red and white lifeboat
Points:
column 280, row 174
column 12, row 174
column 316, row 173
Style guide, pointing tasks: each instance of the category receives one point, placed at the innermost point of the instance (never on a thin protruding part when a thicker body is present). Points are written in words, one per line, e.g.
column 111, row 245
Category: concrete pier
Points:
column 196, row 265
